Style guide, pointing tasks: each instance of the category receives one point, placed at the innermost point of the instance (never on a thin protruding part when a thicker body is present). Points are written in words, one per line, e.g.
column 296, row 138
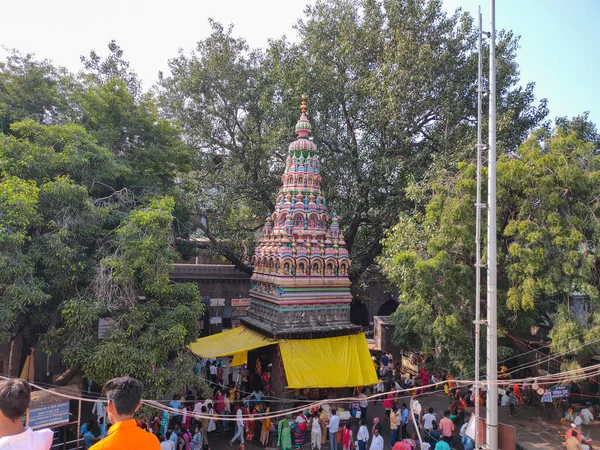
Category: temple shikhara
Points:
column 300, row 285
column 298, row 321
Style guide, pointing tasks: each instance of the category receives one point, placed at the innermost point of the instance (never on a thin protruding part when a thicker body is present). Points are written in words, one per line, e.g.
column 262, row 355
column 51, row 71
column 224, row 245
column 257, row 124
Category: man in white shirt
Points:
column 334, row 426
column 239, row 430
column 415, row 407
column 166, row 444
column 362, row 436
column 363, row 403
column 377, row 442
column 98, row 409
column 198, row 406
column 428, row 419
column 586, row 415
column 15, row 396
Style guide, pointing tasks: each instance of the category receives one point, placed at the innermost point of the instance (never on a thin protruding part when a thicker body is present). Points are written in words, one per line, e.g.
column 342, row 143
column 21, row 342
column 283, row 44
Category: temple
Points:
column 300, row 286
column 298, row 320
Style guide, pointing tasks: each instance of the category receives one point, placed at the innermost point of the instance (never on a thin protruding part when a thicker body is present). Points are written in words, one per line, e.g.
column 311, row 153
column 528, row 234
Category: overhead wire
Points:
column 547, row 379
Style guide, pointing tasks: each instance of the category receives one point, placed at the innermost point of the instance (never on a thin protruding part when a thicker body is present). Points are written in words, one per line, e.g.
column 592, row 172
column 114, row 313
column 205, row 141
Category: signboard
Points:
column 547, row 397
column 48, row 415
column 217, row 302
column 103, row 325
column 560, row 392
column 241, row 302
column 216, row 320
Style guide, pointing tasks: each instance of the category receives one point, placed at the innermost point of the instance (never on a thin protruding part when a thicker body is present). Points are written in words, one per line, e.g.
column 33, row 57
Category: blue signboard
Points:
column 47, row 415
column 560, row 392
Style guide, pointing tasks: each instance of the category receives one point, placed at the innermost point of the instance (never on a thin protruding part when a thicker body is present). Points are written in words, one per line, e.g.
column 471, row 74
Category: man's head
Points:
column 376, row 431
column 447, row 413
column 404, row 405
column 124, row 395
column 430, row 410
column 14, row 398
column 333, row 411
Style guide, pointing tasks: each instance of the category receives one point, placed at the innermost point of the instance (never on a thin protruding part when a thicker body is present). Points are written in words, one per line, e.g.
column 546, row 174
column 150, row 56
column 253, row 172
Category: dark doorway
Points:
column 388, row 308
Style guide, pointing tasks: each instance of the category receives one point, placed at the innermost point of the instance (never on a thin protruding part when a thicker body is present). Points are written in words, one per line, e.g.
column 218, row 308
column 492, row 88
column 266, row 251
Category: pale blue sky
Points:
column 560, row 48
column 560, row 40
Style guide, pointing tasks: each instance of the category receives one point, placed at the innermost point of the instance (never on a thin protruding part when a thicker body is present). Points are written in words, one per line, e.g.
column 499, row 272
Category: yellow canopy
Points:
column 236, row 342
column 28, row 372
column 342, row 361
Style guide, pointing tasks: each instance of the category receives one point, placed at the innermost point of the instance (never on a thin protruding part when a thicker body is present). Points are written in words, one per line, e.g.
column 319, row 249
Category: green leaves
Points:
column 86, row 225
column 548, row 230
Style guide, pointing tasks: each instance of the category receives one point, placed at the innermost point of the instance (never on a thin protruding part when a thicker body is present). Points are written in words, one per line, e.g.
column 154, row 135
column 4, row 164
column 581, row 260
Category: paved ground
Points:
column 533, row 432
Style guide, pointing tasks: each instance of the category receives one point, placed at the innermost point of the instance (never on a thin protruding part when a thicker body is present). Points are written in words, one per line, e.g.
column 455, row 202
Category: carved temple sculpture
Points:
column 300, row 286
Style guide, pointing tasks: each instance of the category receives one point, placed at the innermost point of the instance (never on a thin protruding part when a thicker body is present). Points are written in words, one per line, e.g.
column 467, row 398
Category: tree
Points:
column 87, row 226
column 31, row 89
column 548, row 229
column 391, row 88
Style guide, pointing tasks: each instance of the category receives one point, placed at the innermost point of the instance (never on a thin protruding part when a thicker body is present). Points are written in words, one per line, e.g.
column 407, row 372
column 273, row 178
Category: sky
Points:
column 560, row 41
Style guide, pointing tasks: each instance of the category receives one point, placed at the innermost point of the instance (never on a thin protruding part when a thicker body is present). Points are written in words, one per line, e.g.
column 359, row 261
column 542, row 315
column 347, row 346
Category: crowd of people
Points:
column 235, row 410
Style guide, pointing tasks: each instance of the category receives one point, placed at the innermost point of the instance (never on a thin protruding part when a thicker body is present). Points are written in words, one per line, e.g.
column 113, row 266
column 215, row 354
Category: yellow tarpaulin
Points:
column 342, row 361
column 235, row 342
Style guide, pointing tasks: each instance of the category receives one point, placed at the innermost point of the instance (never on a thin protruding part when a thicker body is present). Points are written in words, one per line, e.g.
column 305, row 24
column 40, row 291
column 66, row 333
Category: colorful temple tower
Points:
column 300, row 286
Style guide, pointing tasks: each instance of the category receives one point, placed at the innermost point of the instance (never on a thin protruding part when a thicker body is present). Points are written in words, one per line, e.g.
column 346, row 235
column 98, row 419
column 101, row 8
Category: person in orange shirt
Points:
column 124, row 396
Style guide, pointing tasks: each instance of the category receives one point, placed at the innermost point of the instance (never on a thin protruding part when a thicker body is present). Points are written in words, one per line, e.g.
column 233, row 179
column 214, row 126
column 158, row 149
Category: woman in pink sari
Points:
column 424, row 375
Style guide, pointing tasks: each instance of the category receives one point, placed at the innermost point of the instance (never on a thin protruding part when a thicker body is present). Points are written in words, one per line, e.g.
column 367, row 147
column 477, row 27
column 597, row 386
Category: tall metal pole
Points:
column 478, row 207
column 492, row 313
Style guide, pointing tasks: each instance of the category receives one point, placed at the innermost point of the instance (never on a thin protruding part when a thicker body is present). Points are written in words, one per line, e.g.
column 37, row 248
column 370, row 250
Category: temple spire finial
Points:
column 303, row 107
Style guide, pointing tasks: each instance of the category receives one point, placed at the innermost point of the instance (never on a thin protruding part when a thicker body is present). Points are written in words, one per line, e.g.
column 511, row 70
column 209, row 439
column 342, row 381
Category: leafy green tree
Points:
column 36, row 90
column 391, row 88
column 88, row 205
column 548, row 230
column 152, row 318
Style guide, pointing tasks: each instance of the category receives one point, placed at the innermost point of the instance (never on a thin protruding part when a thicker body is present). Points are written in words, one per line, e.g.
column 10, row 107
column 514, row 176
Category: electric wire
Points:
column 548, row 379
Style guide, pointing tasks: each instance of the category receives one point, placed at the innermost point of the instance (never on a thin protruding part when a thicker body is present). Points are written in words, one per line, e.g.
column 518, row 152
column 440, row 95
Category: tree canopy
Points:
column 391, row 88
column 548, row 230
column 88, row 200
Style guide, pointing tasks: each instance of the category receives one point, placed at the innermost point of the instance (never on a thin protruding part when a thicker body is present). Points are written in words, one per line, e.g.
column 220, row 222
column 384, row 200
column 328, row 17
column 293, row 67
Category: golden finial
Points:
column 303, row 107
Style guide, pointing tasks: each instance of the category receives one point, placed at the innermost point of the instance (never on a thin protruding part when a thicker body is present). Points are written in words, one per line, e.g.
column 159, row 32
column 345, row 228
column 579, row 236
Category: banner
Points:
column 547, row 397
column 235, row 302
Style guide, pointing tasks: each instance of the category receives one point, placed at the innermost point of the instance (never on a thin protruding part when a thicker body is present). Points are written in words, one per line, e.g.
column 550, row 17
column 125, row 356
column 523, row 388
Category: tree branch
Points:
column 225, row 251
